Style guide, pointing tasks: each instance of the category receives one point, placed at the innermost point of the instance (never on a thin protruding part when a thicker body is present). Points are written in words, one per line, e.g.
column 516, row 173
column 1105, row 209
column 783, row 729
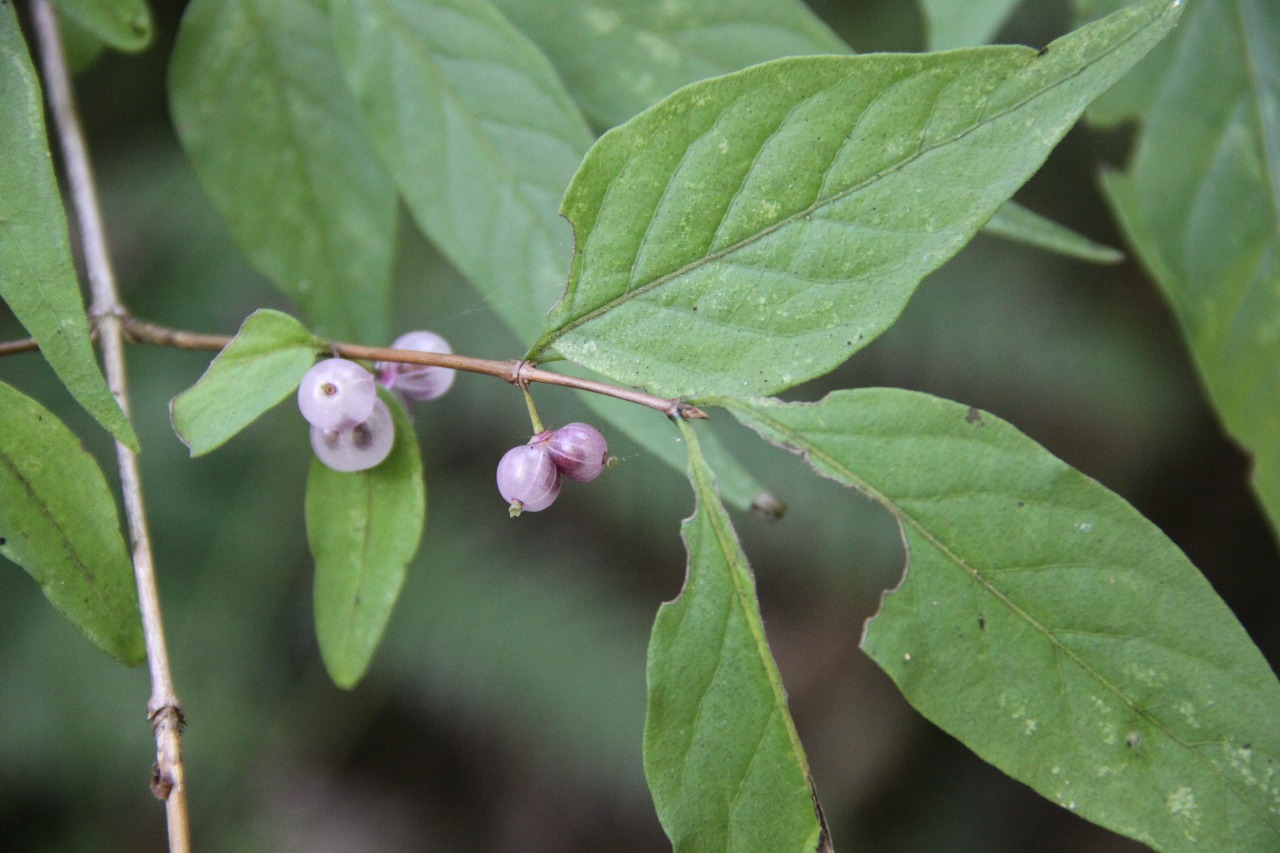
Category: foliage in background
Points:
column 1229, row 776
column 1200, row 203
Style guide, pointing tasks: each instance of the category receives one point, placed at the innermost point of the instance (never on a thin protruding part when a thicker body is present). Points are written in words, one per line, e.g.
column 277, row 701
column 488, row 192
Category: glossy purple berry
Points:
column 359, row 448
column 336, row 394
column 528, row 479
column 417, row 381
column 579, row 451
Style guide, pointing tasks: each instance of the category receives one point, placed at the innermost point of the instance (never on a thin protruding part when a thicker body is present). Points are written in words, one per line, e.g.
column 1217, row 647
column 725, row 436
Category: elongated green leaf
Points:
column 59, row 522
column 1200, row 204
column 260, row 367
column 37, row 279
column 363, row 529
column 1015, row 222
column 481, row 145
column 261, row 108
column 721, row 754
column 964, row 23
column 1049, row 626
column 122, row 24
column 618, row 57
column 752, row 231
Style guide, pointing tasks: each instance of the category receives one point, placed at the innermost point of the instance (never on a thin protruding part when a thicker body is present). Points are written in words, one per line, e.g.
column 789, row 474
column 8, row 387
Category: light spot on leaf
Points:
column 1182, row 804
column 602, row 21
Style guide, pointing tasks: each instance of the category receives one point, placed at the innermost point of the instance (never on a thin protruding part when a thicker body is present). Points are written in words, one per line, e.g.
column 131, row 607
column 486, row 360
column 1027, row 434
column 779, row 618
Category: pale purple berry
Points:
column 418, row 381
column 528, row 479
column 336, row 394
column 579, row 451
column 359, row 448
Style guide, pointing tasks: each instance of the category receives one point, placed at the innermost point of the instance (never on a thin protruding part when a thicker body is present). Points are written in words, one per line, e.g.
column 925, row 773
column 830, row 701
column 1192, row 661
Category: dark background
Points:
column 505, row 709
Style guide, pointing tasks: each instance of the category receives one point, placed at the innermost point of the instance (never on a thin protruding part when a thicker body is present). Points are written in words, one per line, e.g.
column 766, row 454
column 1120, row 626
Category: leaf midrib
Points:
column 726, row 542
column 42, row 506
column 631, row 292
column 810, row 453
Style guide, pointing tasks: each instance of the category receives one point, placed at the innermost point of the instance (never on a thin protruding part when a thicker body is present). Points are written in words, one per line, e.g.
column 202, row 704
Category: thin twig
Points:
column 21, row 345
column 163, row 709
column 512, row 370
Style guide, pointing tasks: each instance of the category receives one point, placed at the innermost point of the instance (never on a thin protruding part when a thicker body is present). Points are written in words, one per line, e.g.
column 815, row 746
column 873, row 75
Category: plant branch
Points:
column 163, row 709
column 515, row 371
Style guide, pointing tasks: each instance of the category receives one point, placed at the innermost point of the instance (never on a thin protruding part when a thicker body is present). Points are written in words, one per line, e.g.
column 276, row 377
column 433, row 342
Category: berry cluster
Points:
column 351, row 429
column 529, row 475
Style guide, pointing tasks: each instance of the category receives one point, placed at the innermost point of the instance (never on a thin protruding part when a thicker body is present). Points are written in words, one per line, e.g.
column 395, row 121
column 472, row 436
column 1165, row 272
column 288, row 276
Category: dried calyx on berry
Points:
column 528, row 479
column 529, row 476
column 336, row 394
column 359, row 448
column 579, row 451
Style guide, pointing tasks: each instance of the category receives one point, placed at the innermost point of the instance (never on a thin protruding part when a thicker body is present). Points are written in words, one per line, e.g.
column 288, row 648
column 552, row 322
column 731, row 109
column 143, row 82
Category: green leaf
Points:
column 81, row 46
column 37, row 279
column 618, row 57
column 264, row 362
column 753, row 231
column 1015, row 222
column 481, row 145
column 1200, row 203
column 261, row 108
column 122, row 24
column 59, row 522
column 721, row 753
column 964, row 23
column 363, row 528
column 1049, row 626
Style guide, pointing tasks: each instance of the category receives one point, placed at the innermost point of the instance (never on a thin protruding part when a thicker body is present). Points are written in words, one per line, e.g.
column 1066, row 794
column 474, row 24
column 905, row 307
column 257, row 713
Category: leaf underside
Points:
column 481, row 145
column 1049, row 626
column 618, row 57
column 58, row 521
column 363, row 528
column 753, row 231
column 721, row 754
column 276, row 139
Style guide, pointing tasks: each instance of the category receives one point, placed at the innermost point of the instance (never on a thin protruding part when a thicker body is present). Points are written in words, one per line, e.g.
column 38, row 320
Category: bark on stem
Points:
column 512, row 370
column 163, row 709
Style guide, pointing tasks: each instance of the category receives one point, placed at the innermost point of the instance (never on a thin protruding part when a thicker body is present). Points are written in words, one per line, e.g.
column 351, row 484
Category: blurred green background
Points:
column 505, row 708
